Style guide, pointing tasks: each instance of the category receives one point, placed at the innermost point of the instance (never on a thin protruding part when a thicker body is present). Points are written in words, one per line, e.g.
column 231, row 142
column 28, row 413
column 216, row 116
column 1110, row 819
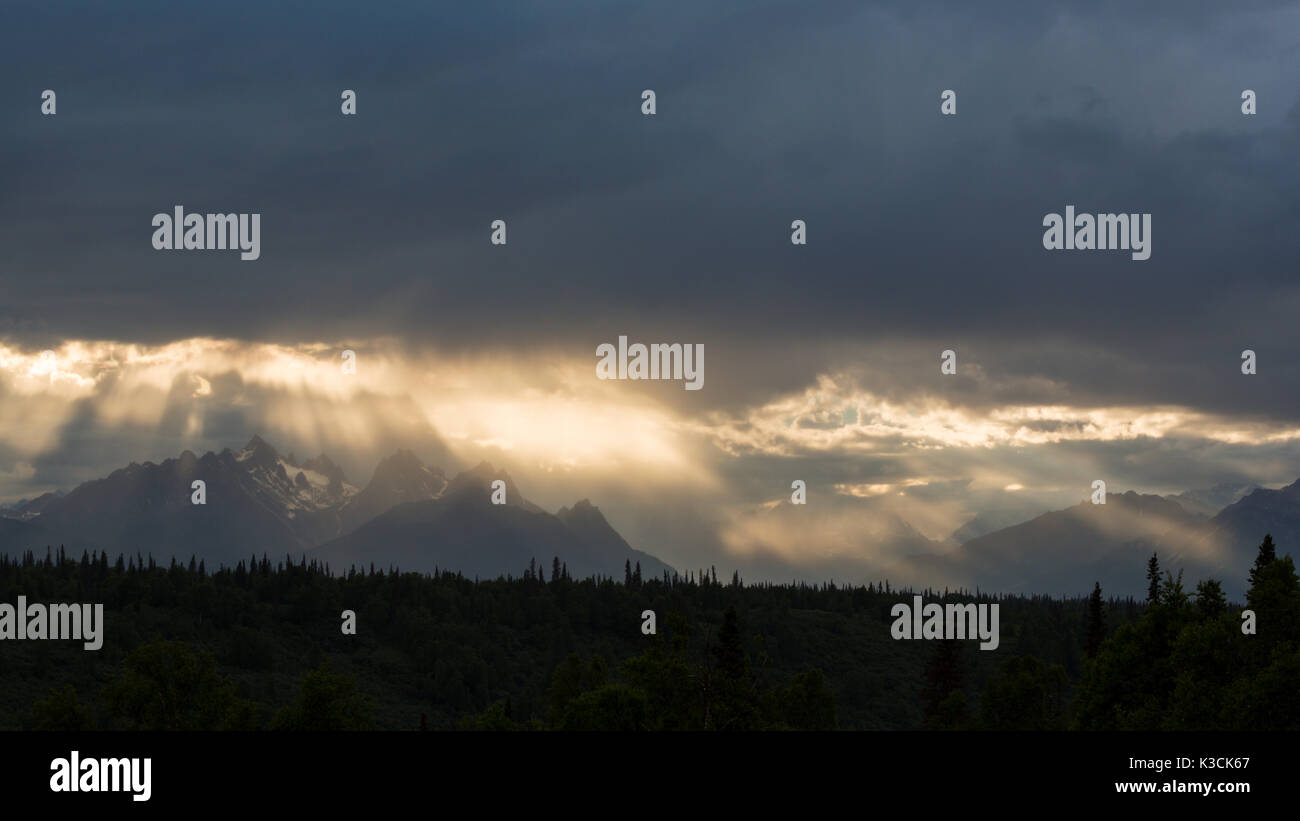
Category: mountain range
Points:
column 261, row 502
column 1063, row 552
column 414, row 517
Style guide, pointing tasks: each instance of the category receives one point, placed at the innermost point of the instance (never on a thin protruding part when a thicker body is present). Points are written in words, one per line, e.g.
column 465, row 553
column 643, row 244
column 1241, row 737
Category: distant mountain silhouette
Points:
column 398, row 479
column 25, row 509
column 1210, row 501
column 412, row 516
column 1239, row 528
column 1065, row 551
column 259, row 501
column 985, row 523
column 590, row 526
column 463, row 530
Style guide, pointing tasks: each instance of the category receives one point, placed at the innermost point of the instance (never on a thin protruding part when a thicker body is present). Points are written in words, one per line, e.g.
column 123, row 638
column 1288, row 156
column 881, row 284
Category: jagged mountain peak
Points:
column 402, row 463
column 481, row 475
column 323, row 465
column 403, row 469
column 258, row 452
column 581, row 507
column 258, row 443
column 398, row 479
column 477, row 482
column 462, row 529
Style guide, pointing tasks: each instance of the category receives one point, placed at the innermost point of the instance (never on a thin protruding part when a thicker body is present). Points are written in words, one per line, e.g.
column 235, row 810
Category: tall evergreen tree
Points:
column 730, row 650
column 734, row 706
column 627, row 572
column 1153, row 580
column 1171, row 590
column 1096, row 622
column 1267, row 555
column 1210, row 600
column 941, row 695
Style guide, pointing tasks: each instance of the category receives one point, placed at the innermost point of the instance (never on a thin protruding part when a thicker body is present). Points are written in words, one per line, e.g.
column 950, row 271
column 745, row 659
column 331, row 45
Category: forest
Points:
column 259, row 647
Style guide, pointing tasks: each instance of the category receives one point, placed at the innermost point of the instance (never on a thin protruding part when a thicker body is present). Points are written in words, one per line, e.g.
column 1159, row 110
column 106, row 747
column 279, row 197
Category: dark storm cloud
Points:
column 924, row 231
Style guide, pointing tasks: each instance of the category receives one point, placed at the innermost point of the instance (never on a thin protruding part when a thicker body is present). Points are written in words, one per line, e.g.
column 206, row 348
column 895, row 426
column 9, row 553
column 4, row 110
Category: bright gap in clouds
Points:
column 879, row 471
column 538, row 410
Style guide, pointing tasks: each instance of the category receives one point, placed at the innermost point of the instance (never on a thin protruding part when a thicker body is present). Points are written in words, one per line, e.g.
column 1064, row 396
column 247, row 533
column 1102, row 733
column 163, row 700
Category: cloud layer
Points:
column 924, row 235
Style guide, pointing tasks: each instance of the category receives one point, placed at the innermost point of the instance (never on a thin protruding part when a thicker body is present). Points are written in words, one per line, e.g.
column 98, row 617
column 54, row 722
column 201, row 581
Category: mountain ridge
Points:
column 261, row 502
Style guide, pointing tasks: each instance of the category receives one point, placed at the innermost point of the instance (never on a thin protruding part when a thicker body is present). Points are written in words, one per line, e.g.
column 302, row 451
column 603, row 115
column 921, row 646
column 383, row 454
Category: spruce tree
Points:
column 1096, row 622
column 1267, row 555
column 1210, row 601
column 943, row 678
column 1153, row 580
column 730, row 650
column 734, row 706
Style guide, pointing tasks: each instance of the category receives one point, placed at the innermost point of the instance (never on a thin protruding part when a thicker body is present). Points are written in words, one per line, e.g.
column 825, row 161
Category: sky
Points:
column 822, row 361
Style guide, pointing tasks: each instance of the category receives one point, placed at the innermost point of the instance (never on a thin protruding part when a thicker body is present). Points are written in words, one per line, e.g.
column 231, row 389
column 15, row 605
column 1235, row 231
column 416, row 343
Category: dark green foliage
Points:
column 945, row 704
column 732, row 700
column 168, row 686
column 447, row 648
column 327, row 701
column 1171, row 592
column 1188, row 666
column 807, row 704
column 1096, row 623
column 618, row 707
column 664, row 689
column 953, row 713
column 1210, row 601
column 494, row 718
column 1153, row 580
column 243, row 648
column 61, row 710
column 1267, row 554
column 1026, row 695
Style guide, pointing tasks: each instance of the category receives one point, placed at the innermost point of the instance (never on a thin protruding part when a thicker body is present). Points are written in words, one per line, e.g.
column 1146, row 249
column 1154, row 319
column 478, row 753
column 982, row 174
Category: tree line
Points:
column 258, row 646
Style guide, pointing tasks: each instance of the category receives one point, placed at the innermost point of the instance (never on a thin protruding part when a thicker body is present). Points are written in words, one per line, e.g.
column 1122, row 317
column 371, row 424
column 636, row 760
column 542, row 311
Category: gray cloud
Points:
column 924, row 231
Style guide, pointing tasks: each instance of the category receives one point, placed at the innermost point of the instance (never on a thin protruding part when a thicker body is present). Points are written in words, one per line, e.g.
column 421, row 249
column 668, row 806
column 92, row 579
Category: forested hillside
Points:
column 260, row 646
